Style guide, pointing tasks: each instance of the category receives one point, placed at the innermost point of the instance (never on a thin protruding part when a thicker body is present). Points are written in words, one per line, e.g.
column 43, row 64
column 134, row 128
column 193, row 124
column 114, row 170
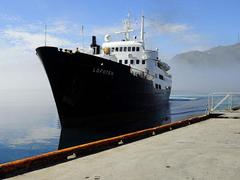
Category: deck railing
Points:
column 223, row 102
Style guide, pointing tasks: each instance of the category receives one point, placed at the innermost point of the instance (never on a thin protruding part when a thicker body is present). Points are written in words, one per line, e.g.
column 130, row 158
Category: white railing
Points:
column 223, row 102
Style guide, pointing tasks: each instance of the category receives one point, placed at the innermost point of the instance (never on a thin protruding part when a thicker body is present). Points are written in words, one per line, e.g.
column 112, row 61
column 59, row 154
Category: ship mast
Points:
column 127, row 28
column 45, row 35
column 142, row 30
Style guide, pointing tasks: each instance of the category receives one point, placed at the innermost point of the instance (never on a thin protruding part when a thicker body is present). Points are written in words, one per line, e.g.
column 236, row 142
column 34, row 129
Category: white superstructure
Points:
column 131, row 52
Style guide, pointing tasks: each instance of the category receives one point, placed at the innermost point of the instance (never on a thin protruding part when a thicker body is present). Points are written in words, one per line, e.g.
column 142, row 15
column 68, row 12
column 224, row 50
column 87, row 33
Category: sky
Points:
column 172, row 26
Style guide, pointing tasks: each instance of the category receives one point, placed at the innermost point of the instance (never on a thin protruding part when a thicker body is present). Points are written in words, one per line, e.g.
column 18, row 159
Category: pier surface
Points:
column 206, row 150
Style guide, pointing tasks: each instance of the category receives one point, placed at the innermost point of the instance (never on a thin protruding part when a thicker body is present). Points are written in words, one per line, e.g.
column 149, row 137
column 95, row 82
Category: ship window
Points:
column 120, row 49
column 133, row 48
column 159, row 86
column 126, row 61
column 160, row 76
column 131, row 61
column 156, row 86
column 137, row 61
column 112, row 49
column 125, row 49
column 120, row 61
column 116, row 49
column 129, row 48
column 137, row 48
column 143, row 61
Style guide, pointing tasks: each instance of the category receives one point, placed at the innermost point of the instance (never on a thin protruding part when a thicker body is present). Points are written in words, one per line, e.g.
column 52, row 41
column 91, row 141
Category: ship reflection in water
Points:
column 28, row 128
column 132, row 122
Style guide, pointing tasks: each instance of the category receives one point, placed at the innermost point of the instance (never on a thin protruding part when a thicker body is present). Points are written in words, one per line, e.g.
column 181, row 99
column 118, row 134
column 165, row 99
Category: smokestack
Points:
column 96, row 48
column 94, row 41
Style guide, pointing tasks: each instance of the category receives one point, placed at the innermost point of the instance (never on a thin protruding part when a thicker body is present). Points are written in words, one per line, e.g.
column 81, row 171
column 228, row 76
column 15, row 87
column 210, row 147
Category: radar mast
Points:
column 127, row 28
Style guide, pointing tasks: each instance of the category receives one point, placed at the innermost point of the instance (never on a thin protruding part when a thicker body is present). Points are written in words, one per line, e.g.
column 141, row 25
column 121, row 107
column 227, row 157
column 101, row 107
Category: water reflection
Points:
column 29, row 123
column 122, row 124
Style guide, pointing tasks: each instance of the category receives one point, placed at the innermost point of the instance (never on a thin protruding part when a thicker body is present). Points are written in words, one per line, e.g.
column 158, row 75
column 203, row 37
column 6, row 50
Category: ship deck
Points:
column 206, row 150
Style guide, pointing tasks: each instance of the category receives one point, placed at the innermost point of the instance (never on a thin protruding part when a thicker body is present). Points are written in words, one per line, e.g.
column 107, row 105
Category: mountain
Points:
column 217, row 56
column 217, row 69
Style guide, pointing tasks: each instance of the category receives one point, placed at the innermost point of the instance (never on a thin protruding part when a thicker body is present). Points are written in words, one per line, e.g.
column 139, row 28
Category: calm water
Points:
column 29, row 122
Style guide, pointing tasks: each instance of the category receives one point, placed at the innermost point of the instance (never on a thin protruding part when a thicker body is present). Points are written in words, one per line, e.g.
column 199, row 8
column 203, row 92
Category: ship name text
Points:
column 103, row 71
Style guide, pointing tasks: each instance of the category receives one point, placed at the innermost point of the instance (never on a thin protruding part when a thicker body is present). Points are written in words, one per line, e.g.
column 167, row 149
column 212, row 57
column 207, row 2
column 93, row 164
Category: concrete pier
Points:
column 206, row 150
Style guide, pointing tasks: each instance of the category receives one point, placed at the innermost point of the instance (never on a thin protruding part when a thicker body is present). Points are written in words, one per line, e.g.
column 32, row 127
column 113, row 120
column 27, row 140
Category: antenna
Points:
column 142, row 30
column 82, row 36
column 45, row 40
column 127, row 28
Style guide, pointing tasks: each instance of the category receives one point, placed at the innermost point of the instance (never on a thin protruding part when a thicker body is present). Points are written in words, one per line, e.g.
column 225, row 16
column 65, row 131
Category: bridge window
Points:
column 131, row 61
column 137, row 61
column 137, row 48
column 129, row 49
column 112, row 49
column 133, row 48
column 156, row 86
column 160, row 76
column 120, row 61
column 143, row 61
column 120, row 49
column 116, row 49
column 159, row 86
column 125, row 49
column 126, row 61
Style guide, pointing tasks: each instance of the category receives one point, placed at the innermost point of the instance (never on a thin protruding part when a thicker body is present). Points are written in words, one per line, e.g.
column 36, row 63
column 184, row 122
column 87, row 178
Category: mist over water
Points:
column 217, row 69
column 29, row 123
column 206, row 79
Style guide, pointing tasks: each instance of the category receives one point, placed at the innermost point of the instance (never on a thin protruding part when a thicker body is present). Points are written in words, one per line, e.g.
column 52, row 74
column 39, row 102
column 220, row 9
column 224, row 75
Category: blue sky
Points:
column 206, row 23
column 173, row 26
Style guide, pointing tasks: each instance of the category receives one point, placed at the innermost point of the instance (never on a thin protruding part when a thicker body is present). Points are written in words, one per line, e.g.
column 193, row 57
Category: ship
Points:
column 102, row 82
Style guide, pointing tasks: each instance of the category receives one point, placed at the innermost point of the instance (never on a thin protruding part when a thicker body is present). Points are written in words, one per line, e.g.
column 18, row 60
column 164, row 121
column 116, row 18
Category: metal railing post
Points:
column 212, row 104
column 225, row 102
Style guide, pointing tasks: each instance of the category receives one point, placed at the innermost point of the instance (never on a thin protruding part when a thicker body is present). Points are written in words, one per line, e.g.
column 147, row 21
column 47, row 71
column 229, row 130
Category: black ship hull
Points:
column 88, row 88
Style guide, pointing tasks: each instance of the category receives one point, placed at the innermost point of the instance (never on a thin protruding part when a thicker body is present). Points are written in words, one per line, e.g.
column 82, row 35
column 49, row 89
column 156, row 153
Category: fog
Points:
column 23, row 72
column 199, row 79
column 27, row 73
